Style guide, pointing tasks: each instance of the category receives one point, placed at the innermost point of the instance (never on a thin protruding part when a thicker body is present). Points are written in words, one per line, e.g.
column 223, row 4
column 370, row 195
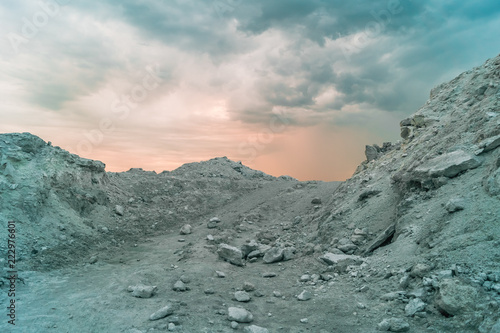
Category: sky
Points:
column 289, row 87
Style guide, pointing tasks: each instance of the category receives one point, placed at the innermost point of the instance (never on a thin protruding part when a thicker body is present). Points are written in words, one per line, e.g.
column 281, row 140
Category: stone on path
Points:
column 239, row 315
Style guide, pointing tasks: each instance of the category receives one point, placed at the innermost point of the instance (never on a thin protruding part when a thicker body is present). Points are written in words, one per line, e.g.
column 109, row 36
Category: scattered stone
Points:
column 215, row 219
column 180, row 286
column 382, row 238
column 304, row 296
column 119, row 210
column 305, row 278
column 234, row 325
column 142, row 291
column 316, row 201
column 490, row 144
column 239, row 315
column 93, row 260
column 212, row 225
column 209, row 291
column 448, row 165
column 405, row 132
column 255, row 254
column 371, row 153
column 289, row 253
column 230, row 254
column 393, row 295
column 185, row 279
column 420, row 270
column 277, row 294
column 393, row 325
column 247, row 286
column 269, row 274
column 275, row 254
column 304, row 320
column 220, row 274
column 186, row 229
column 255, row 329
column 454, row 297
column 210, row 238
column 454, row 205
column 340, row 261
column 297, row 220
column 163, row 312
column 171, row 327
column 242, row 296
column 415, row 305
column 249, row 247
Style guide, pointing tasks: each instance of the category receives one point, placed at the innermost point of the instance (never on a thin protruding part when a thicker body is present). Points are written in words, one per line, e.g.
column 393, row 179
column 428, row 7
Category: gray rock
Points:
column 247, row 286
column 393, row 325
column 405, row 122
column 371, row 153
column 255, row 329
column 220, row 274
column 420, row 270
column 455, row 297
column 305, row 278
column 171, row 327
column 212, row 225
column 142, row 291
column 418, row 121
column 406, row 132
column 289, row 253
column 340, row 261
column 234, row 325
column 119, row 210
column 255, row 254
column 215, row 220
column 186, row 229
column 230, row 254
column 163, row 312
column 242, row 296
column 304, row 296
column 249, row 247
column 448, row 165
column 239, row 315
column 454, row 205
column 490, row 144
column 180, row 286
column 275, row 254
column 415, row 305
column 269, row 274
column 316, row 201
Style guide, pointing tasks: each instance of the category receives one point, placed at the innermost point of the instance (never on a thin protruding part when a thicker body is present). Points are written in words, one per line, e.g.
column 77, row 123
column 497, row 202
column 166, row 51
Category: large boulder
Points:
column 231, row 254
column 455, row 297
column 447, row 165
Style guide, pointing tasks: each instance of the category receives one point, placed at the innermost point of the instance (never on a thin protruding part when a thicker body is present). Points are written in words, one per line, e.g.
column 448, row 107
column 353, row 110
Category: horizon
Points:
column 286, row 87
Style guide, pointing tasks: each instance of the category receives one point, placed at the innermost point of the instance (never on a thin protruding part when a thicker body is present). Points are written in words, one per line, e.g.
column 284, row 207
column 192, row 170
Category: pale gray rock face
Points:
column 239, row 315
column 448, row 165
column 231, row 254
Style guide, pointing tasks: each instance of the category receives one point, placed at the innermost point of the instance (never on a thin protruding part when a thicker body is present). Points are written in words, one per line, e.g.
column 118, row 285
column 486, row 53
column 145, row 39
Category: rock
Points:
column 381, row 238
column 348, row 248
column 447, row 165
column 289, row 253
column 220, row 274
column 405, row 122
column 454, row 297
column 215, row 219
column 371, row 153
column 180, row 286
column 249, row 247
column 393, row 325
column 316, row 201
column 406, row 132
column 368, row 194
column 304, row 296
column 490, row 144
column 239, row 315
column 247, row 286
column 297, row 220
column 119, row 210
column 142, row 291
column 163, row 312
column 230, row 254
column 186, row 229
column 209, row 291
column 414, row 306
column 242, row 296
column 454, row 205
column 255, row 329
column 340, row 261
column 234, row 325
column 418, row 121
column 212, row 225
column 420, row 270
column 255, row 254
column 392, row 295
column 275, row 254
column 304, row 320
column 269, row 275
column 305, row 278
column 171, row 327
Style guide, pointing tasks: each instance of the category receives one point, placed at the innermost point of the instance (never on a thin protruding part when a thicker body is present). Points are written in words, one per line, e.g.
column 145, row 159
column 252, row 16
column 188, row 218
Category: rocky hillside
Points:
column 410, row 243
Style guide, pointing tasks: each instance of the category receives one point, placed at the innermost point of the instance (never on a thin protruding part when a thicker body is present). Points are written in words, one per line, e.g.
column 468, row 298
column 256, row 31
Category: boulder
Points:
column 249, row 247
column 163, row 312
column 142, row 291
column 447, row 165
column 275, row 254
column 414, row 306
column 255, row 329
column 186, row 229
column 230, row 254
column 455, row 297
column 454, row 205
column 371, row 153
column 239, row 315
